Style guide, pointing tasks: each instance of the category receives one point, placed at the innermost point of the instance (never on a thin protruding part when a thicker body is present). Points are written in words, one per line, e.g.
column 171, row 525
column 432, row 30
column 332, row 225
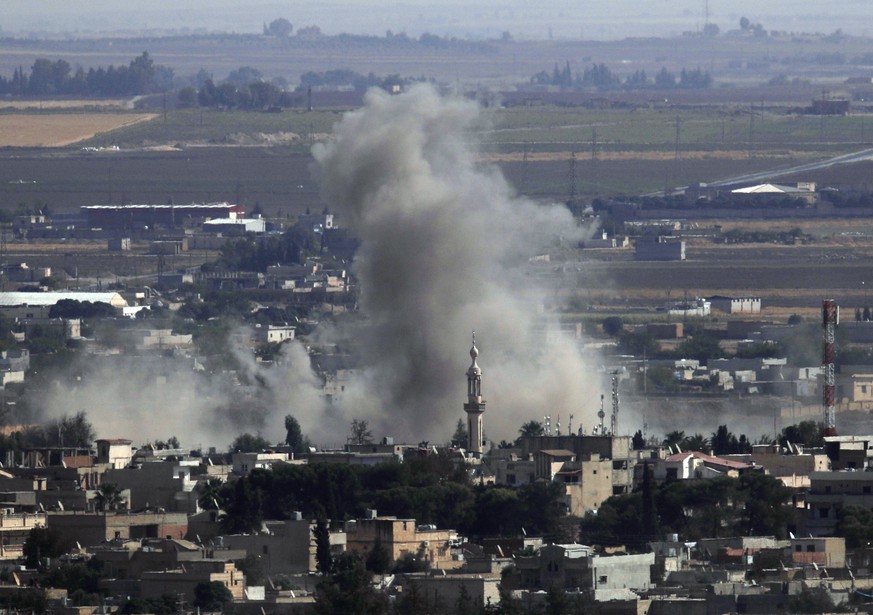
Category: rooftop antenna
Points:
column 830, row 319
column 601, row 415
column 570, row 426
column 614, row 419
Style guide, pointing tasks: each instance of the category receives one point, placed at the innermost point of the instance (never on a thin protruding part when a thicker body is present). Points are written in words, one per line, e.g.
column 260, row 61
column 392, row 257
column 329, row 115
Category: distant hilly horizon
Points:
column 476, row 19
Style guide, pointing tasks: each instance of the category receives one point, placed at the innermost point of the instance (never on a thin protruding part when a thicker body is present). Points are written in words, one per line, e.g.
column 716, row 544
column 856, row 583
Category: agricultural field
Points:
column 546, row 152
column 61, row 129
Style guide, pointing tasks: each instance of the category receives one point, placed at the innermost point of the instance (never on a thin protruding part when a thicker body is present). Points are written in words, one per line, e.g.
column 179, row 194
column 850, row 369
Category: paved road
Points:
column 852, row 158
column 765, row 176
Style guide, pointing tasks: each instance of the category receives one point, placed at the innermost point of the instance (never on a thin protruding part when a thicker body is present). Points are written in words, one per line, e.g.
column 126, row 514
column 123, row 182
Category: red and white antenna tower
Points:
column 830, row 313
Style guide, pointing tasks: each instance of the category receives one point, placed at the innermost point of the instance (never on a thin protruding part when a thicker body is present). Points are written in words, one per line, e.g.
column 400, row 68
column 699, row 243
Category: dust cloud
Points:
column 445, row 244
column 444, row 241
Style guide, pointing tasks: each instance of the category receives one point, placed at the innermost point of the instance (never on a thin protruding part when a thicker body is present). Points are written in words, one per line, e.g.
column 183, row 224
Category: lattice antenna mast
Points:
column 601, row 415
column 614, row 419
column 830, row 319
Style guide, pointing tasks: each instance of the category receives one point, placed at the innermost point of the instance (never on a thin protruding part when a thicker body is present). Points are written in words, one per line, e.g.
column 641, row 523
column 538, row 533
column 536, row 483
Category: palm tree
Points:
column 697, row 442
column 210, row 494
column 107, row 498
column 532, row 428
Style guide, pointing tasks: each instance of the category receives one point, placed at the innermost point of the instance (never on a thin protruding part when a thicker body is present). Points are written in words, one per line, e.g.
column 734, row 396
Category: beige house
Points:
column 402, row 537
column 184, row 579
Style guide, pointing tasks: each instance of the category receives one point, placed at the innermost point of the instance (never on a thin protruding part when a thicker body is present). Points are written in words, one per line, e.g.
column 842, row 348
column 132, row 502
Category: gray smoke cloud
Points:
column 445, row 244
column 444, row 241
column 148, row 398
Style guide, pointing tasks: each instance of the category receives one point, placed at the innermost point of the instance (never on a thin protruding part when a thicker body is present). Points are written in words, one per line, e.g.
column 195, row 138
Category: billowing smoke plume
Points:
column 443, row 241
column 146, row 398
column 445, row 245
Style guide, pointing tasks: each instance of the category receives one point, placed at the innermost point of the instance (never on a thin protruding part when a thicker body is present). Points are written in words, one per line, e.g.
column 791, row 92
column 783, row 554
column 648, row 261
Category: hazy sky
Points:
column 593, row 19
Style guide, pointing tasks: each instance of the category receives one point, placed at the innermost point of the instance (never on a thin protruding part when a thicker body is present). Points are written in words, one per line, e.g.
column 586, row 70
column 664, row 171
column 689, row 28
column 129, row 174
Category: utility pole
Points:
column 572, row 177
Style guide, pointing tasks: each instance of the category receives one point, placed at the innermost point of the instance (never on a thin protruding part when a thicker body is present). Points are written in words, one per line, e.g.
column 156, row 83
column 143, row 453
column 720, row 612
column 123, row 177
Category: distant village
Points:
column 580, row 518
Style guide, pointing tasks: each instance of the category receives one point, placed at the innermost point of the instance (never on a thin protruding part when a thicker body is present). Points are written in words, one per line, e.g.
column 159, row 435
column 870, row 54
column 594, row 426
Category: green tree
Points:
column 41, row 542
column 674, row 438
column 531, row 429
column 294, row 436
column 638, row 343
column 460, row 435
column 701, row 347
column 75, row 430
column 211, row 596
column 108, row 497
column 648, row 511
column 248, row 443
column 855, row 524
column 766, row 511
column 360, row 432
column 245, row 509
column 323, row 556
column 349, row 590
column 210, row 493
column 638, row 441
column 697, row 442
column 280, row 27
column 187, row 97
column 378, row 559
column 806, row 433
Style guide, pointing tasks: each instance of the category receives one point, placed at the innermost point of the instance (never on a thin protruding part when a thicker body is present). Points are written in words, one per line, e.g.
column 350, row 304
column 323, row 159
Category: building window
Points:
column 510, row 479
column 601, row 580
column 798, row 548
column 810, row 548
column 866, row 489
column 823, row 513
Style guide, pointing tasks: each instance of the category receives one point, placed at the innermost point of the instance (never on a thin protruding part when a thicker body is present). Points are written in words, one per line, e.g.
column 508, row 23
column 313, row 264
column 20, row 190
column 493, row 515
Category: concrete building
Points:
column 695, row 465
column 587, row 482
column 158, row 339
column 37, row 305
column 274, row 334
column 243, row 463
column 792, row 468
column 183, row 580
column 117, row 452
column 831, row 491
column 287, row 547
column 14, row 530
column 129, row 559
column 736, row 305
column 402, row 537
column 446, row 591
column 158, row 485
column 697, row 307
column 849, row 452
column 230, row 227
column 151, row 216
column 90, row 529
column 616, row 449
column 577, row 566
column 804, row 190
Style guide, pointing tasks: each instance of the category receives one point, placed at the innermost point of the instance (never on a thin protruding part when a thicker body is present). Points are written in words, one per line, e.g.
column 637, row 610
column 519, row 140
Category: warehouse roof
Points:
column 13, row 299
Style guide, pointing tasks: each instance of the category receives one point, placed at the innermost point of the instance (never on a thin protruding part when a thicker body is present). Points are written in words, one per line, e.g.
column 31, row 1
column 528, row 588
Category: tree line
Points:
column 57, row 78
column 601, row 77
column 429, row 489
